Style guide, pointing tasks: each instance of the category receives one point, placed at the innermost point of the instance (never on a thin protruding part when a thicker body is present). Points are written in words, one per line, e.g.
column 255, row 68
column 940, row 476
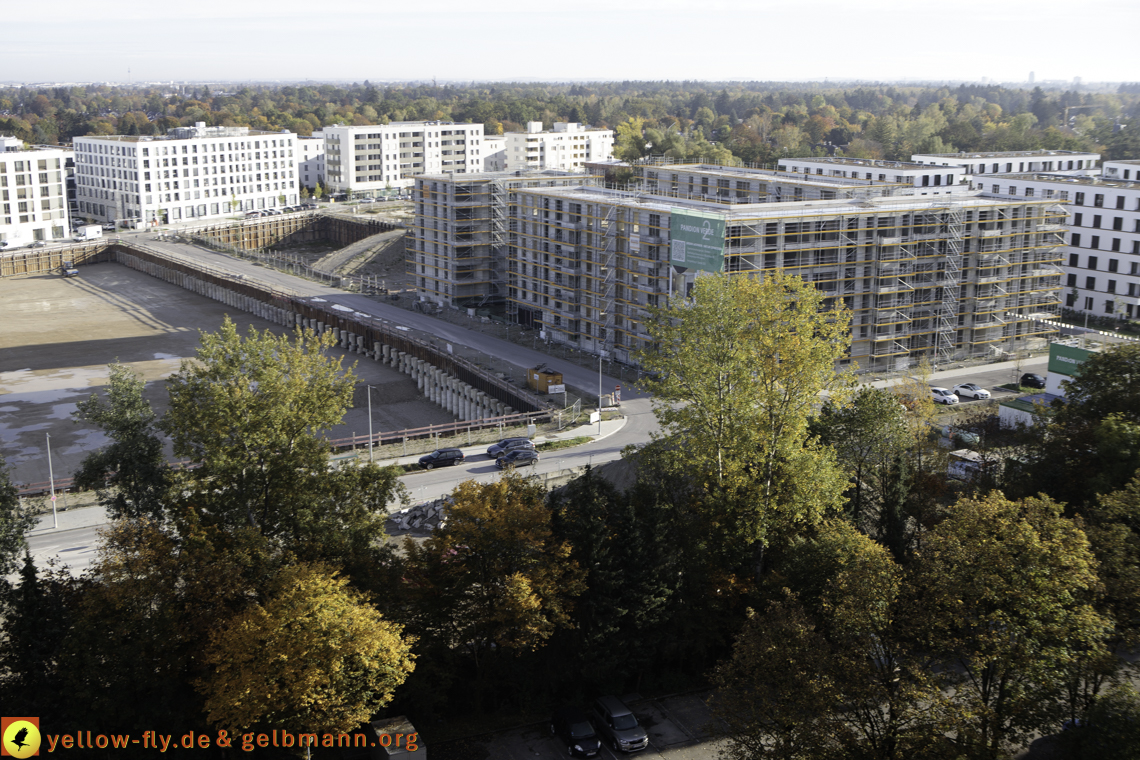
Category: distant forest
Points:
column 757, row 122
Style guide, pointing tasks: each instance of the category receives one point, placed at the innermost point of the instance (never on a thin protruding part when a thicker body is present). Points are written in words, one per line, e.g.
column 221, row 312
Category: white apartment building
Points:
column 311, row 160
column 1011, row 161
column 741, row 184
column 494, row 153
column 10, row 144
column 194, row 172
column 927, row 180
column 1101, row 263
column 365, row 159
column 567, row 147
column 33, row 195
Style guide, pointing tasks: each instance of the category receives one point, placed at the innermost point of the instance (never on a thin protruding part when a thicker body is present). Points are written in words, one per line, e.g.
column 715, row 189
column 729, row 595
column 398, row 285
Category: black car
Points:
column 618, row 725
column 441, row 458
column 1030, row 380
column 571, row 726
column 517, row 457
column 507, row 444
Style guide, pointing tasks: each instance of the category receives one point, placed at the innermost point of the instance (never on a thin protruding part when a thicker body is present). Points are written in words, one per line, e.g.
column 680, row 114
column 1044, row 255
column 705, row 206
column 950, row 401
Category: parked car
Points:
column 1030, row 380
column 572, row 727
column 516, row 457
column 253, row 215
column 37, row 244
column 496, row 450
column 617, row 724
column 307, row 206
column 272, row 212
column 109, row 227
column 367, row 200
column 441, row 458
column 955, row 434
column 943, row 396
column 971, row 390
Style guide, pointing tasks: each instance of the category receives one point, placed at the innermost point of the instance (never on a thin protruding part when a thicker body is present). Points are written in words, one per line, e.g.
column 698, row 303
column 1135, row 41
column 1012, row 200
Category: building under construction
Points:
column 939, row 278
column 457, row 249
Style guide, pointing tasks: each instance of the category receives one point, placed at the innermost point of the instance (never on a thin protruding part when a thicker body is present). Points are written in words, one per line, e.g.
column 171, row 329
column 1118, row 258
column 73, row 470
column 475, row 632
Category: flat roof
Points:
column 745, row 172
column 1063, row 179
column 157, row 138
column 1122, row 160
column 784, row 209
column 869, row 163
column 1012, row 154
column 505, row 175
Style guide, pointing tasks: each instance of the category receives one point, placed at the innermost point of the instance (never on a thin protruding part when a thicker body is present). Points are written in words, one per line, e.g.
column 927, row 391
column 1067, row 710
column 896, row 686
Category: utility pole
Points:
column 368, row 388
column 51, row 482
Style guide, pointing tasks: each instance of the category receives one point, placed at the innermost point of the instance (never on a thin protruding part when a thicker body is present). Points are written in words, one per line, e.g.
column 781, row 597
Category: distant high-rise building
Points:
column 1032, row 77
column 1076, row 81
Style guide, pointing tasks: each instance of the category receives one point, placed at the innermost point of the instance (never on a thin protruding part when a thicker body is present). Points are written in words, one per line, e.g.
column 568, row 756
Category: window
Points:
column 1074, row 259
column 1109, row 306
column 1072, row 281
column 1095, row 242
column 1112, row 286
column 1112, row 264
column 1096, row 221
column 1078, row 220
column 1090, row 283
column 1098, row 200
column 1079, row 199
column 1076, row 240
column 1120, row 198
column 1088, row 303
column 1118, row 223
column 1092, row 262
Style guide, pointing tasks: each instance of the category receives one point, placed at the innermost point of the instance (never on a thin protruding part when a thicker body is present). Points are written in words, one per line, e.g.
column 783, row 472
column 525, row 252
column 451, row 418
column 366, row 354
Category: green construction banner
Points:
column 1066, row 360
column 696, row 240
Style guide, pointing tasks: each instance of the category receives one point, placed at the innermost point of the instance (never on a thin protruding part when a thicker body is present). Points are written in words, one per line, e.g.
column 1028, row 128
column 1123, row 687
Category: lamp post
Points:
column 601, row 350
column 51, row 482
column 368, row 388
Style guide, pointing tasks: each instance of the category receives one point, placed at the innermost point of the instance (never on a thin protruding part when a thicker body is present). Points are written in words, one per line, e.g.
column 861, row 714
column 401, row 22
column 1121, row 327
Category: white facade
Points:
column 1011, row 161
column 311, row 161
column 10, row 144
column 384, row 156
column 33, row 197
column 194, row 172
column 1102, row 260
column 567, row 147
column 926, row 180
column 494, row 153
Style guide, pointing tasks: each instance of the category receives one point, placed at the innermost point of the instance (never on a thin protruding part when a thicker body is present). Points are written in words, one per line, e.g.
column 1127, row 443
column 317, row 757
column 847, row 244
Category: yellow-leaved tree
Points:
column 316, row 656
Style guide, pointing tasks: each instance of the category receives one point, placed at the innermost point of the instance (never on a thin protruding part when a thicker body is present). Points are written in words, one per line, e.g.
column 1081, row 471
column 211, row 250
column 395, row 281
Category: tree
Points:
column 131, row 475
column 1113, row 529
column 314, row 657
column 1091, row 442
column 868, row 434
column 630, row 142
column 16, row 519
column 494, row 578
column 1002, row 596
column 250, row 413
column 740, row 368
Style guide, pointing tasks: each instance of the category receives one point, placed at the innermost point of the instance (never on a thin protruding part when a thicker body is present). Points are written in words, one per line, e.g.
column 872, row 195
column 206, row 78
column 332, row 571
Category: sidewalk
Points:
column 608, row 428
column 70, row 519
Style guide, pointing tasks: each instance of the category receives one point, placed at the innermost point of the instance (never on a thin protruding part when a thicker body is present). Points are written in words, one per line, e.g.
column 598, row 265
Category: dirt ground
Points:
column 58, row 336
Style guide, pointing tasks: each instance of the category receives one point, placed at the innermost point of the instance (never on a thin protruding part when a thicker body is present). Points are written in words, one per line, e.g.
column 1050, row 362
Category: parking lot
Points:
column 677, row 726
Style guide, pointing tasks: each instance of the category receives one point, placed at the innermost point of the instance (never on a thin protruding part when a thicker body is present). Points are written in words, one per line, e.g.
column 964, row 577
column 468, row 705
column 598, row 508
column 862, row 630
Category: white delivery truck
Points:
column 88, row 232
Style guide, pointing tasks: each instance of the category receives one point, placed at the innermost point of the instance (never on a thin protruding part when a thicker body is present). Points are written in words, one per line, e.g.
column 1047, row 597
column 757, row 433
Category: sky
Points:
column 599, row 40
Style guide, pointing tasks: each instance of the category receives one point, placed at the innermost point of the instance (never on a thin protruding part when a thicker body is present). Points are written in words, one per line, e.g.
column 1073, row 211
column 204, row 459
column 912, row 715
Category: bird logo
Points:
column 21, row 737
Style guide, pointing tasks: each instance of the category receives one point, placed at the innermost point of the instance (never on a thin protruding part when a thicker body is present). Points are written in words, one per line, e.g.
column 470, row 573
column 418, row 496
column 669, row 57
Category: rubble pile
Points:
column 421, row 518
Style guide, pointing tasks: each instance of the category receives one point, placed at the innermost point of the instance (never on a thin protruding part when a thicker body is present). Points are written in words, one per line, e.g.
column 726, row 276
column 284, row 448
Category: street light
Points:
column 370, row 439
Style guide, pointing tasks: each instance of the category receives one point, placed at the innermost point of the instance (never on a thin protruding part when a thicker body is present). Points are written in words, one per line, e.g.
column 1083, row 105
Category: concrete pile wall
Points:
column 450, row 393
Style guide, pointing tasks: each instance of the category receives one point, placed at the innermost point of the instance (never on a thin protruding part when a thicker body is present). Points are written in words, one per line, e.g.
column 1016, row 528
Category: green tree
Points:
column 1091, row 444
column 630, row 141
column 131, row 475
column 251, row 414
column 868, row 434
column 740, row 368
column 16, row 519
column 1002, row 596
column 314, row 657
